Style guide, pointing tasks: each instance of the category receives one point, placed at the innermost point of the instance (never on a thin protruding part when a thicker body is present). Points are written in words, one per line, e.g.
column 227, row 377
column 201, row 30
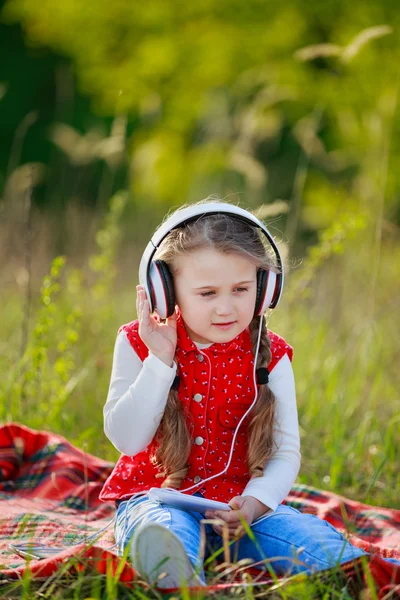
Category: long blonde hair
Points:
column 227, row 235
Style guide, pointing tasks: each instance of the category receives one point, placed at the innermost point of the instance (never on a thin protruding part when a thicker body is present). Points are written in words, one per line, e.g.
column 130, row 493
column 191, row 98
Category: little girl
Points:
column 180, row 387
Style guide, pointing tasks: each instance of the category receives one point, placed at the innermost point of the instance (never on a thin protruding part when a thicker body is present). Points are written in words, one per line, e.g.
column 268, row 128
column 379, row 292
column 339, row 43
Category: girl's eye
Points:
column 211, row 292
column 204, row 294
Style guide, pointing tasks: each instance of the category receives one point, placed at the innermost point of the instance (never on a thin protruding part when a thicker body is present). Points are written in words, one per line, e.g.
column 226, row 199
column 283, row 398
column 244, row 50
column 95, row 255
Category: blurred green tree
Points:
column 230, row 96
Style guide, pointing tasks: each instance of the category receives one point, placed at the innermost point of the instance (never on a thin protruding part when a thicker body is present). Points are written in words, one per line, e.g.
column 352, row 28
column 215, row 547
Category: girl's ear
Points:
column 161, row 288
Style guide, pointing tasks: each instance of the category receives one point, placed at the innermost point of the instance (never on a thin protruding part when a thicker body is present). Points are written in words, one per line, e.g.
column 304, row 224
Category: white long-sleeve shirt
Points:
column 136, row 401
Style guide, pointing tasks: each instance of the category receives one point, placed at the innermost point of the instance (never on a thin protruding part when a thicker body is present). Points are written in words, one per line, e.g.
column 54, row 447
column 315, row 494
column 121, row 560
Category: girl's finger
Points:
column 142, row 292
column 142, row 301
column 239, row 532
column 146, row 310
column 146, row 320
column 228, row 516
column 219, row 529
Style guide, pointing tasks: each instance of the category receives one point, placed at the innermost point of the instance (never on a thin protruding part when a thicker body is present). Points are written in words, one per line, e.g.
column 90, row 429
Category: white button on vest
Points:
column 199, row 440
column 197, row 479
column 197, row 397
column 200, row 357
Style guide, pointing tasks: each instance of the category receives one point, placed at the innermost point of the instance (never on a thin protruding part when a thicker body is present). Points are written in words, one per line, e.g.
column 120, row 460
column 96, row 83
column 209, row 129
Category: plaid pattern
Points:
column 49, row 491
column 374, row 529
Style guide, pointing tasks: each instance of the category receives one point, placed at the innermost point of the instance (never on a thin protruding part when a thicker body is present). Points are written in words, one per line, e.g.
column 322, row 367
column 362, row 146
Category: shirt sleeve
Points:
column 136, row 398
column 281, row 470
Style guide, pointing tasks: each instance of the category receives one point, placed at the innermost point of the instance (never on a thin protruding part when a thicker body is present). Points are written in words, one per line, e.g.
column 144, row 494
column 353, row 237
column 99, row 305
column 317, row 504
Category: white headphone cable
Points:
column 202, row 482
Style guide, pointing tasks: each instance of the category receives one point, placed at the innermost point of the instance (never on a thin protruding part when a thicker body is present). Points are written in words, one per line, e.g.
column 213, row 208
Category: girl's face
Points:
column 216, row 294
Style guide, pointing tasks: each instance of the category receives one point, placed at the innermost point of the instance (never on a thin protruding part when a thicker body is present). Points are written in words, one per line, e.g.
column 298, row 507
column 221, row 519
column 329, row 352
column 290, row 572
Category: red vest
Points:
column 215, row 394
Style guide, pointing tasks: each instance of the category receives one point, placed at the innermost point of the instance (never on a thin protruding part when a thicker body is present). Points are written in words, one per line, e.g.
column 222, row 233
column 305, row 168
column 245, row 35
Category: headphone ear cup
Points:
column 161, row 288
column 268, row 286
column 262, row 277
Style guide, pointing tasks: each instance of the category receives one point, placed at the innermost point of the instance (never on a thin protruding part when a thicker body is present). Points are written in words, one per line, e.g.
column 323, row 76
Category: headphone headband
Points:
column 196, row 211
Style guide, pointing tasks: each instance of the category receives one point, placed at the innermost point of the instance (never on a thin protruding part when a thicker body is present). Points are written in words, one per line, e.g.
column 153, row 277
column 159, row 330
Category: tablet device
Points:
column 185, row 501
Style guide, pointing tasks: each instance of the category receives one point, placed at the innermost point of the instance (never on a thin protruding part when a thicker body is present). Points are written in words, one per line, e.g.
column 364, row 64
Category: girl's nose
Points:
column 224, row 308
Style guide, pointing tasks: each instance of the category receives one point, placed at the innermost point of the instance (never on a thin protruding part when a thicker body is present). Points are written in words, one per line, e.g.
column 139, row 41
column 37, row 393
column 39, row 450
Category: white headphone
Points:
column 156, row 278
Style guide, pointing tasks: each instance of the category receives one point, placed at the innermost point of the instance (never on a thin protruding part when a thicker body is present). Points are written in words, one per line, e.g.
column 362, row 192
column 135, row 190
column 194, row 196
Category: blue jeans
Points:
column 289, row 541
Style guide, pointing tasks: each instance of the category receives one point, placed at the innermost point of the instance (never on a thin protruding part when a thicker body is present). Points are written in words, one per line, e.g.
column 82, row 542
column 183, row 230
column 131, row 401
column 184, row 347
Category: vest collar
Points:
column 186, row 345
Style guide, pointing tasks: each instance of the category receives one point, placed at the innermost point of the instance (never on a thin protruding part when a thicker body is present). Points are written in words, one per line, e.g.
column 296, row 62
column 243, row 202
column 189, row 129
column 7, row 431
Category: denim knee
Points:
column 137, row 511
column 293, row 542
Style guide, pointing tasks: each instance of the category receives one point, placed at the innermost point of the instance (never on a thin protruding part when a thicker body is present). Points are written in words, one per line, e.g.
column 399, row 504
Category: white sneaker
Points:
column 159, row 557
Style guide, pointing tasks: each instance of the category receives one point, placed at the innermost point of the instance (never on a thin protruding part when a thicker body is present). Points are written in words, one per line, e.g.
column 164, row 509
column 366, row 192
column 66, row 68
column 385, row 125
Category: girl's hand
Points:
column 160, row 338
column 246, row 508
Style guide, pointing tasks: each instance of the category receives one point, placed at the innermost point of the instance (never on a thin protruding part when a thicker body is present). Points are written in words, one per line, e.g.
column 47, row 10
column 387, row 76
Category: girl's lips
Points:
column 224, row 325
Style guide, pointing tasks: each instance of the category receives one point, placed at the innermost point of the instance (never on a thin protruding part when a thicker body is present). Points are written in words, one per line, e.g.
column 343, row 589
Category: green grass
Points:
column 341, row 321
column 87, row 585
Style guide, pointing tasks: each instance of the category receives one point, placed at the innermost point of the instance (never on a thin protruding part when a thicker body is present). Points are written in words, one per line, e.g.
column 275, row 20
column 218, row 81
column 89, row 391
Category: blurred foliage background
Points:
column 112, row 113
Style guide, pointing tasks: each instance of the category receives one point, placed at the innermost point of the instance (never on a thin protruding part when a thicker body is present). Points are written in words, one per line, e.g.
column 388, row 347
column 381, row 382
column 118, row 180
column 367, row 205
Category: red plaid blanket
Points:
column 49, row 492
